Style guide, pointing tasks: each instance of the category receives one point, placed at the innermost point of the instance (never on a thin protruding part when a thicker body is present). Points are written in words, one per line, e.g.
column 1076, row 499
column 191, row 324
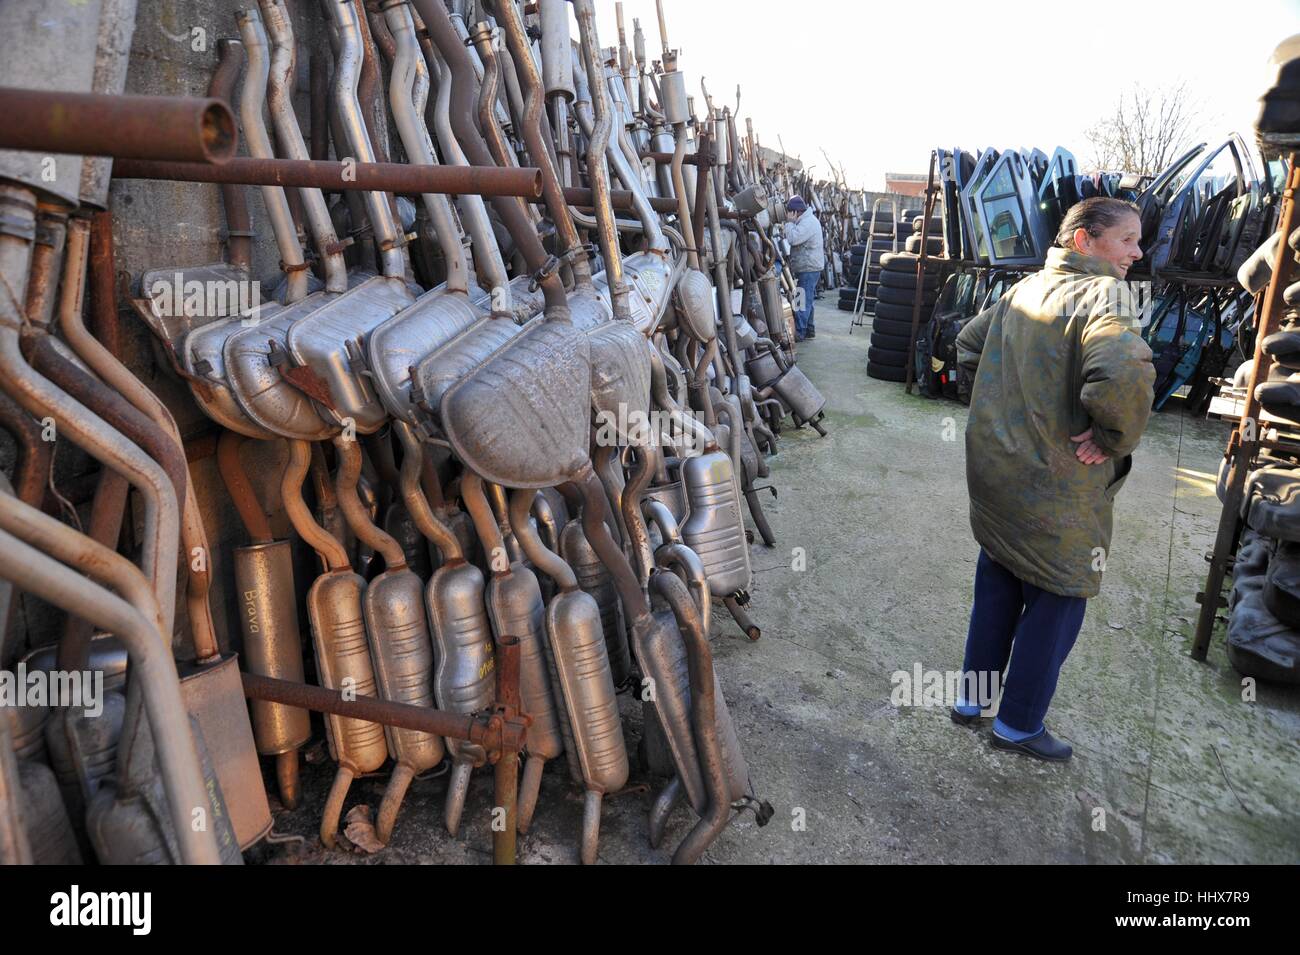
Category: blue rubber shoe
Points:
column 1043, row 745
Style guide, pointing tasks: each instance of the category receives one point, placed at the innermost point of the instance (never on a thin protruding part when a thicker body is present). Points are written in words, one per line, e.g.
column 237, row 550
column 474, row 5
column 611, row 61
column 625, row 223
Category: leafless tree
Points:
column 1146, row 130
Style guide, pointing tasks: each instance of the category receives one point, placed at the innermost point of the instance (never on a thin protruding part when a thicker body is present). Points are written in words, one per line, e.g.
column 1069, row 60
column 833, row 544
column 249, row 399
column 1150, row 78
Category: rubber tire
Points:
column 884, row 339
column 891, row 326
column 901, row 313
column 905, row 296
column 913, row 244
column 903, row 280
column 886, row 372
column 887, row 356
column 899, row 262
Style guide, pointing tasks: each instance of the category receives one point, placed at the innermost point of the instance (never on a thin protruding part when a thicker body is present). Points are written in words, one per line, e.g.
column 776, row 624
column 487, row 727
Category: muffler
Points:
column 339, row 635
column 595, row 580
column 581, row 676
column 400, row 646
column 269, row 621
column 515, row 608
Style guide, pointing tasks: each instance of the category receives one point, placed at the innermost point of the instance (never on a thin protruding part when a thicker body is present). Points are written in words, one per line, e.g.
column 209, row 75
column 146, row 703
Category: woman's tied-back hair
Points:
column 1093, row 215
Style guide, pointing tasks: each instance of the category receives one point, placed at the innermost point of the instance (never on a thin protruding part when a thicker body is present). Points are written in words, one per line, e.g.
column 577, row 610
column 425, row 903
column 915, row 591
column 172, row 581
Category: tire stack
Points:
column 868, row 252
column 934, row 237
column 891, row 327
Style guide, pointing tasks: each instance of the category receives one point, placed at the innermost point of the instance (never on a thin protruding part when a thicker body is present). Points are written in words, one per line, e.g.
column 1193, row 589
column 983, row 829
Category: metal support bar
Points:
column 494, row 733
column 351, row 175
column 930, row 194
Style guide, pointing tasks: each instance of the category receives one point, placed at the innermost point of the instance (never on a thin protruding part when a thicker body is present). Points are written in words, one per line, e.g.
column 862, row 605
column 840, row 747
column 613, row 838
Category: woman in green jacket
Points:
column 1062, row 392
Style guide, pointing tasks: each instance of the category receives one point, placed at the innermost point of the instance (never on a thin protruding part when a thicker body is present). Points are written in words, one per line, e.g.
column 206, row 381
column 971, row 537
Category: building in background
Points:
column 905, row 183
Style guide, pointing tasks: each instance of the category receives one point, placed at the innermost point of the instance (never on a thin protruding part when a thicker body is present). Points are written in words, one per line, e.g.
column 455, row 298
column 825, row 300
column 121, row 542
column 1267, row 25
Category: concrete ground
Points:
column 1171, row 764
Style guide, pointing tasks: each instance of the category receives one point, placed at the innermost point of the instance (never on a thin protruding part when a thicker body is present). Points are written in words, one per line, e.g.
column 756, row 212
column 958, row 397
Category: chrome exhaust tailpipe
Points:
column 339, row 636
column 400, row 647
column 515, row 608
column 581, row 677
column 268, row 620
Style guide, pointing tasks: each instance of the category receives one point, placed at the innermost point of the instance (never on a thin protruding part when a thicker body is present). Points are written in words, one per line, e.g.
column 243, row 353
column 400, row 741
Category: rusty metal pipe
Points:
column 438, row 22
column 351, row 64
column 193, row 534
column 595, row 512
column 105, row 526
column 620, row 201
column 503, row 735
column 679, row 190
column 239, row 227
column 490, row 267
column 597, row 163
column 406, row 73
column 47, row 259
column 512, row 26
column 489, row 181
column 32, row 467
column 355, row 512
column 85, row 428
column 483, row 36
column 699, row 658
column 103, row 283
column 338, row 634
column 181, row 128
column 240, row 490
column 251, row 100
column 288, row 135
column 638, row 535
column 417, row 504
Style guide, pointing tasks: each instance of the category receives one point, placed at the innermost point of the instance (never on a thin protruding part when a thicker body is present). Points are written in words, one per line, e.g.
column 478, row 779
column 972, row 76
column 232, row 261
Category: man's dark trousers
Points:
column 1032, row 628
column 803, row 318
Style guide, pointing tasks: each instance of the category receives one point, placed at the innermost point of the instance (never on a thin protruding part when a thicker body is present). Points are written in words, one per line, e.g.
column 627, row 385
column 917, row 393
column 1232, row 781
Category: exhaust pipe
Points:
column 339, row 634
column 149, row 654
column 269, row 621
column 399, row 640
column 514, row 601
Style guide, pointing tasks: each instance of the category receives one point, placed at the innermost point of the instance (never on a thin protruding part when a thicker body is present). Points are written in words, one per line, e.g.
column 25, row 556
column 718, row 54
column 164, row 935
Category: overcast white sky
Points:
column 845, row 76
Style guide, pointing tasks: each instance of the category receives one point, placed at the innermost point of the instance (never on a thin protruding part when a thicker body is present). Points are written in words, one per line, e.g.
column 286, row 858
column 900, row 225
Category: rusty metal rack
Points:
column 1247, row 437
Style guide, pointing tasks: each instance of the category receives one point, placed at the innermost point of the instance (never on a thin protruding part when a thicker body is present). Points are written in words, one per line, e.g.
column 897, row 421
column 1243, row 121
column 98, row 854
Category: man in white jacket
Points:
column 807, row 259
